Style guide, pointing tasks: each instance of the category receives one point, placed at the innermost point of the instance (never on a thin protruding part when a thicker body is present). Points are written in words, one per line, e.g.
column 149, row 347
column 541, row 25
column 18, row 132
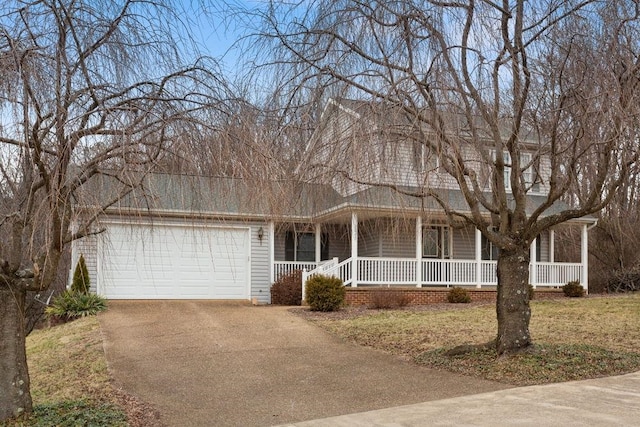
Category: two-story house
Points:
column 352, row 211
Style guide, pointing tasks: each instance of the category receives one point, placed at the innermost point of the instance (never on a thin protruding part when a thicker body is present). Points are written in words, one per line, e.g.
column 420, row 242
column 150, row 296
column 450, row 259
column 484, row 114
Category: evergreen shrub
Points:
column 573, row 289
column 325, row 293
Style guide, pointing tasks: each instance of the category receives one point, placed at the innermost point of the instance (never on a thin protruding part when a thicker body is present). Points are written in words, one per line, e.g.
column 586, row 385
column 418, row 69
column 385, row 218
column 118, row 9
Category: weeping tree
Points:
column 87, row 90
column 513, row 98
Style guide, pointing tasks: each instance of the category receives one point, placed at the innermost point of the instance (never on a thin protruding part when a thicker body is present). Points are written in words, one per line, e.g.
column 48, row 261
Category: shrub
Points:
column 287, row 290
column 325, row 293
column 626, row 280
column 388, row 299
column 458, row 295
column 573, row 289
column 71, row 305
column 80, row 283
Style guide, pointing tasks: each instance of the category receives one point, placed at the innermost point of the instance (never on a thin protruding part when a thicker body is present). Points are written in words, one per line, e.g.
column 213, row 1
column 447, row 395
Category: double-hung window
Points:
column 525, row 160
column 301, row 246
column 436, row 241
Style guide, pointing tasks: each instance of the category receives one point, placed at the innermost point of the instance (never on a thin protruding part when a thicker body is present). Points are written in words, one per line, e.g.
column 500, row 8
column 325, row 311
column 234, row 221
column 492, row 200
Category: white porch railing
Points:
column 438, row 272
column 281, row 268
column 557, row 274
column 383, row 271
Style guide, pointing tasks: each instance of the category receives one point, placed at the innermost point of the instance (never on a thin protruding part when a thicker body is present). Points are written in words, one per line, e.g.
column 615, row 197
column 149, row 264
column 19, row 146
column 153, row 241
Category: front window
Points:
column 489, row 251
column 436, row 241
column 301, row 246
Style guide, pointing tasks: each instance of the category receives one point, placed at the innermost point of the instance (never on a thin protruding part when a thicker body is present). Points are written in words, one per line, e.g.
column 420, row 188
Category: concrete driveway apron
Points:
column 205, row 363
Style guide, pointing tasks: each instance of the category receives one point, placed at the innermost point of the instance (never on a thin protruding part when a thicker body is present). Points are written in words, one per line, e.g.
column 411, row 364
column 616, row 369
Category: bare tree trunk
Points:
column 15, row 400
column 512, row 306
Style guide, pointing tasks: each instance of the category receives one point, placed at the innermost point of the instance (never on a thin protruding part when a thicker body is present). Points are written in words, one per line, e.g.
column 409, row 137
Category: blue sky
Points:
column 217, row 28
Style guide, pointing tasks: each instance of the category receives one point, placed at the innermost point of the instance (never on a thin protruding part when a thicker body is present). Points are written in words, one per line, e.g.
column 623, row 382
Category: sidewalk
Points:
column 612, row 401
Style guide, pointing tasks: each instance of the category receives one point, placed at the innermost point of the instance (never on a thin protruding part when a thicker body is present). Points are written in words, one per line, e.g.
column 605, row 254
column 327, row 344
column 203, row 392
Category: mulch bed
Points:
column 351, row 312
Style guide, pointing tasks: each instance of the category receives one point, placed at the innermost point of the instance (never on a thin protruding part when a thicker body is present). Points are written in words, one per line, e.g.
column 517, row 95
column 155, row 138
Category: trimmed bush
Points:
column 387, row 299
column 71, row 305
column 287, row 290
column 573, row 289
column 325, row 293
column 458, row 295
column 80, row 283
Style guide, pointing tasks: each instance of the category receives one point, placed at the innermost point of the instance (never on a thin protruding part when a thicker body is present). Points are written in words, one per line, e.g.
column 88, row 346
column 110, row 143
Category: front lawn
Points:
column 575, row 338
column 70, row 383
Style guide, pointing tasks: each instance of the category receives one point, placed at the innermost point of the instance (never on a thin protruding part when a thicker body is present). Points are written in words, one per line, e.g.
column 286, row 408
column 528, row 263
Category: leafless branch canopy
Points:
column 86, row 89
column 513, row 97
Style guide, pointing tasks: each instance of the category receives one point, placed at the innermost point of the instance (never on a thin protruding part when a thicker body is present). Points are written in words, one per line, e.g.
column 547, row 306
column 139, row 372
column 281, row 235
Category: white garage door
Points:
column 173, row 262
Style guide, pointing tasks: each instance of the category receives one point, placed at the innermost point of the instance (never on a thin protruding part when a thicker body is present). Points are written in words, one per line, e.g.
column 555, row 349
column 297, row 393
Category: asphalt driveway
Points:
column 204, row 363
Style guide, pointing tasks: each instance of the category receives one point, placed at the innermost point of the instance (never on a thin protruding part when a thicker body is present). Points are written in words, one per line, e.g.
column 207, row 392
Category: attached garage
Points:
column 168, row 261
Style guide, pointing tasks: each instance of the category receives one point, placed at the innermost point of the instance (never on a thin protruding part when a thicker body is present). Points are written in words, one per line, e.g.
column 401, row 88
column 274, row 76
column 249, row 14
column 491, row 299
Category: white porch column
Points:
column 272, row 252
column 354, row 249
column 533, row 264
column 419, row 251
column 584, row 257
column 552, row 246
column 318, row 243
column 478, row 258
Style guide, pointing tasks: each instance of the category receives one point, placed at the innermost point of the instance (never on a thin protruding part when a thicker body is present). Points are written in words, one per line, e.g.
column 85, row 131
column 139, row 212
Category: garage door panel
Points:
column 162, row 261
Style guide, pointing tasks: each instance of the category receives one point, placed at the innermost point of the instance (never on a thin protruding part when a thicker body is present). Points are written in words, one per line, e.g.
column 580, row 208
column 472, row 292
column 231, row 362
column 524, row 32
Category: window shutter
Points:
column 289, row 246
column 324, row 246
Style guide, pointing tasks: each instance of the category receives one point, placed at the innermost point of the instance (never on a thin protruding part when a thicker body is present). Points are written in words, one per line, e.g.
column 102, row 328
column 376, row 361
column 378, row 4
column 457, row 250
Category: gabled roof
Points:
column 192, row 195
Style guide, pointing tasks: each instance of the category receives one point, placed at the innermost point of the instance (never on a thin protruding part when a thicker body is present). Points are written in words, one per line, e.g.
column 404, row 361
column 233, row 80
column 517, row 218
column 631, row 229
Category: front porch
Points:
column 428, row 272
column 441, row 256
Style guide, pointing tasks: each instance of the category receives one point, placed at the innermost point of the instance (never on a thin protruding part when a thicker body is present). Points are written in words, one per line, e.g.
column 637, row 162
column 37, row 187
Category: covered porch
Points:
column 419, row 252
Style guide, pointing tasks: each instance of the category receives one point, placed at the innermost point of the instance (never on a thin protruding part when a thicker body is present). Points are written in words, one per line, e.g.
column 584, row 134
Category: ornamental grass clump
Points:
column 325, row 293
column 71, row 305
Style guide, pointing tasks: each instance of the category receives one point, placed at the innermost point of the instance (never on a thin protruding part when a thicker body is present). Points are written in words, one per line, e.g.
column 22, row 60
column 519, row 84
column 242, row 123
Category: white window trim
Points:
column 443, row 230
column 426, row 155
column 526, row 158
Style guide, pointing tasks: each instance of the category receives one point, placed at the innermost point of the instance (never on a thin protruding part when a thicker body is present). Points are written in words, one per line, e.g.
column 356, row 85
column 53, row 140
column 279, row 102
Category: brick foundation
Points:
column 423, row 296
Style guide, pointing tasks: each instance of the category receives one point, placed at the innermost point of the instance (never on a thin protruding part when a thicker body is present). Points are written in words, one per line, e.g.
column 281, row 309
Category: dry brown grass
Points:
column 576, row 338
column 67, row 362
column 70, row 382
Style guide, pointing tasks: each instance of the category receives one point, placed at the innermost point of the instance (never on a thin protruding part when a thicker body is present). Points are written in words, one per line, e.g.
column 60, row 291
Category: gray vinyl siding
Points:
column 544, row 246
column 399, row 244
column 464, row 243
column 368, row 241
column 260, row 283
column 339, row 241
column 279, row 246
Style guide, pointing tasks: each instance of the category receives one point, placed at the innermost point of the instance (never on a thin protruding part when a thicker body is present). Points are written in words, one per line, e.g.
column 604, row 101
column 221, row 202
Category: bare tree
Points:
column 511, row 96
column 87, row 89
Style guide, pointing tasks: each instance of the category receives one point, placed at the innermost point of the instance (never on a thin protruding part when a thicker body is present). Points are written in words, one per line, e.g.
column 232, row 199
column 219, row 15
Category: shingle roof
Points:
column 219, row 196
